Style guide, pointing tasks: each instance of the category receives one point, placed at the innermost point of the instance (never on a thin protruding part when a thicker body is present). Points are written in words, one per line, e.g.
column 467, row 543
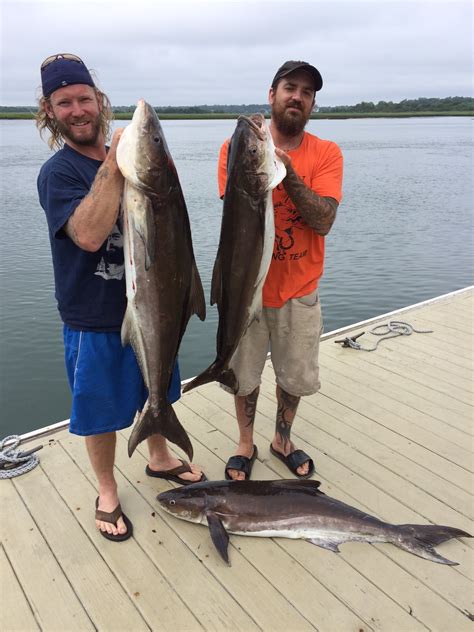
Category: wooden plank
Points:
column 53, row 600
column 392, row 361
column 334, row 417
column 15, row 611
column 212, row 606
column 371, row 380
column 424, row 364
column 145, row 586
column 427, row 395
column 88, row 574
column 361, row 399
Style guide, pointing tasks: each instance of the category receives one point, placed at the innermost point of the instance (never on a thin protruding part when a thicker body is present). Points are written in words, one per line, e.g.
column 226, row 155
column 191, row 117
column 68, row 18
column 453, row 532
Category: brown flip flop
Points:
column 173, row 474
column 112, row 517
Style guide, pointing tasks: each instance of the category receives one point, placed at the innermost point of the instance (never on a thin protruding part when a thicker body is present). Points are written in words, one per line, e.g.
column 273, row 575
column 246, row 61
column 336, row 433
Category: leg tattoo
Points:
column 250, row 406
column 287, row 405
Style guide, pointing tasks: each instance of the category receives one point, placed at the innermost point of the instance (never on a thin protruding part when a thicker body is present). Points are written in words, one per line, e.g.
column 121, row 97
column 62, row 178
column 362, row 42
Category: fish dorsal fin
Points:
column 216, row 286
column 302, row 484
column 219, row 535
column 198, row 302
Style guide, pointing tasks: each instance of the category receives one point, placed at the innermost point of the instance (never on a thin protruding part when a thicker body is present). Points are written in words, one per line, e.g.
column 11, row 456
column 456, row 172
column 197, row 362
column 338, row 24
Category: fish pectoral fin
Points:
column 198, row 302
column 145, row 228
column 325, row 544
column 219, row 535
column 216, row 285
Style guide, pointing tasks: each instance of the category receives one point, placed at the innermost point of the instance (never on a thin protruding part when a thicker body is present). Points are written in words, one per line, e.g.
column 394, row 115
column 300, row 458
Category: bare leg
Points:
column 287, row 405
column 245, row 409
column 101, row 450
column 162, row 459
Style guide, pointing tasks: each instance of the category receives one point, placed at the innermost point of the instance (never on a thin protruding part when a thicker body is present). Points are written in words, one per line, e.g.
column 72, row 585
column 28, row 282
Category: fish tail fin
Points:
column 164, row 422
column 421, row 540
column 214, row 374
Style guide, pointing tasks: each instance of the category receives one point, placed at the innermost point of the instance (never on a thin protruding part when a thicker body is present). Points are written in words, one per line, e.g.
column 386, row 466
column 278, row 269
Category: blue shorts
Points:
column 106, row 382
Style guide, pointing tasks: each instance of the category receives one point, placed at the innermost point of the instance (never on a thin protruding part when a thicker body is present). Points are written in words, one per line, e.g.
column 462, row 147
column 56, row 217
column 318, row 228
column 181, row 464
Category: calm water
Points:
column 403, row 235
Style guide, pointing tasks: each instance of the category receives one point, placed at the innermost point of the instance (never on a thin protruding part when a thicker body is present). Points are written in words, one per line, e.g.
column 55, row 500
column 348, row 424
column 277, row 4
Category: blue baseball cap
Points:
column 63, row 69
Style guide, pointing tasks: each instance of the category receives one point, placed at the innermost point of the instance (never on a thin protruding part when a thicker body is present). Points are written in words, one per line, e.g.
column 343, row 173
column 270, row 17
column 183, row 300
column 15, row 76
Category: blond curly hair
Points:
column 44, row 123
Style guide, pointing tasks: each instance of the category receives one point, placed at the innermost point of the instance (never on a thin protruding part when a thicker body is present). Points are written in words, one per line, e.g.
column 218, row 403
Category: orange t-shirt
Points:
column 298, row 253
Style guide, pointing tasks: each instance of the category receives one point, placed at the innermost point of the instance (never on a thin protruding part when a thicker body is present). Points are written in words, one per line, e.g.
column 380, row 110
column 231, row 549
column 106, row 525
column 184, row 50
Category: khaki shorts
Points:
column 291, row 333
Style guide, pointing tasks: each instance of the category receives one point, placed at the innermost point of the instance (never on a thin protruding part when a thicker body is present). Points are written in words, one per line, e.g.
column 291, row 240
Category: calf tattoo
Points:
column 250, row 406
column 287, row 405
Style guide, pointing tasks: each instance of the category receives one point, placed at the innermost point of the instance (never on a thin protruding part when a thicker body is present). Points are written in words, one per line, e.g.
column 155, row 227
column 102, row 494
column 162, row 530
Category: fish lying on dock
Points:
column 163, row 284
column 295, row 509
column 246, row 241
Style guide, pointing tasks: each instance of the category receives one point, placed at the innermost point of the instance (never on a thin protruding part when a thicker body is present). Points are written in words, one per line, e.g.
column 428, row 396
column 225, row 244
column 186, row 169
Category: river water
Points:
column 403, row 234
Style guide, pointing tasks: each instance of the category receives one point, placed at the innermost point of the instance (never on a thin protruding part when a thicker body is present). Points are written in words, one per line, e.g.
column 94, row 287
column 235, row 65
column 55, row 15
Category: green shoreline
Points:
column 126, row 116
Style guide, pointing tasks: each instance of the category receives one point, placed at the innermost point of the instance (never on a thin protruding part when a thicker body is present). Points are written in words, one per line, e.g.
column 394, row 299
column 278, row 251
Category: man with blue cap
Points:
column 80, row 188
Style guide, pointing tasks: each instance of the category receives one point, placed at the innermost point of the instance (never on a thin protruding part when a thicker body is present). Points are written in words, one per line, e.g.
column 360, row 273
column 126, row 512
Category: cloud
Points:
column 186, row 53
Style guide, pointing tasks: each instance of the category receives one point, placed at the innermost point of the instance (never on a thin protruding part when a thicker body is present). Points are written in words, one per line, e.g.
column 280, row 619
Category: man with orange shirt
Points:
column 305, row 206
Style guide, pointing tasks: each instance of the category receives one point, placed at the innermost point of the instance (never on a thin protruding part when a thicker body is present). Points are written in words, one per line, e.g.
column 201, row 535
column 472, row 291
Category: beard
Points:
column 289, row 123
column 68, row 131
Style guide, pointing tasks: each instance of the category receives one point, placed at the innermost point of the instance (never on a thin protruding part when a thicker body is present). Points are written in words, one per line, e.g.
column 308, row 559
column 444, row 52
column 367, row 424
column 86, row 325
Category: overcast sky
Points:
column 191, row 53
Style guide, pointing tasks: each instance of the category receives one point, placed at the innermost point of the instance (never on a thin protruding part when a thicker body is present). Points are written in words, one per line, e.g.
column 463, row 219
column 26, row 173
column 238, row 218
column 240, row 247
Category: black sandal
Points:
column 242, row 464
column 294, row 460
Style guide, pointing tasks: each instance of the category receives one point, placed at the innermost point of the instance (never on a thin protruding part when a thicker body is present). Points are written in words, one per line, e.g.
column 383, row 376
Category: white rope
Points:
column 392, row 329
column 12, row 461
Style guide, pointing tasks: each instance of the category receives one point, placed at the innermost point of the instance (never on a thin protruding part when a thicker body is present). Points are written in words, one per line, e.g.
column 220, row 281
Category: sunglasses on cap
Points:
column 52, row 58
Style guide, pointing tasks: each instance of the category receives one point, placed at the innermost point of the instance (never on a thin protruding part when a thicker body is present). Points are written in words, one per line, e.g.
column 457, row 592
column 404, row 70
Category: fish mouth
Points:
column 256, row 122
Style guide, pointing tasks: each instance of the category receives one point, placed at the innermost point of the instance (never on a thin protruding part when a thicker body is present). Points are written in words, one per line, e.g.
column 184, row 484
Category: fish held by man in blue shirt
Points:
column 163, row 284
column 295, row 509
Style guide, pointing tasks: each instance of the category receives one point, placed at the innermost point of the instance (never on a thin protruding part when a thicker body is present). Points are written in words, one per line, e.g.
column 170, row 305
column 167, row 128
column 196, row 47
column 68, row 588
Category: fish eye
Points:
column 172, row 502
column 156, row 139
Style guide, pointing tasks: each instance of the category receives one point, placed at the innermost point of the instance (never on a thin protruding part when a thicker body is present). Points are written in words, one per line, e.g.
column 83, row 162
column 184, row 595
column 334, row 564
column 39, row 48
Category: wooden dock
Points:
column 390, row 432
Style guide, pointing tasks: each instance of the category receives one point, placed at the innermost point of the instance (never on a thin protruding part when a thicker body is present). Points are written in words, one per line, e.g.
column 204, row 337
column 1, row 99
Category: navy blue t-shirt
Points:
column 90, row 286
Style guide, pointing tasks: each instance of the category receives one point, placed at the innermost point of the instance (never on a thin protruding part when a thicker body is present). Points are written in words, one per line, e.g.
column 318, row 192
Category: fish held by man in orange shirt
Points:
column 246, row 242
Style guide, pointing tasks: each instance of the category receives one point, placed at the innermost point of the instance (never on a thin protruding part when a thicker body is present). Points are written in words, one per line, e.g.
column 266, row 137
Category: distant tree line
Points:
column 423, row 104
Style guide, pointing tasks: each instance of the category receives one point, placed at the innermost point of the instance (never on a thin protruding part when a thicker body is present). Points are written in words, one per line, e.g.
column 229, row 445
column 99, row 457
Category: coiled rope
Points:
column 13, row 462
column 392, row 329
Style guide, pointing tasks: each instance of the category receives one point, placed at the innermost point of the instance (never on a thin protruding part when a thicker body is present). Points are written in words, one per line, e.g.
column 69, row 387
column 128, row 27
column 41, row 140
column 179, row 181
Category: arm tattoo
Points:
column 102, row 174
column 250, row 406
column 318, row 212
column 286, row 408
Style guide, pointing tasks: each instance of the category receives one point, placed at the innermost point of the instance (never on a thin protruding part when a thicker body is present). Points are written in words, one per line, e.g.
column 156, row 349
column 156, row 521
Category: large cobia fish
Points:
column 163, row 284
column 246, row 241
column 295, row 509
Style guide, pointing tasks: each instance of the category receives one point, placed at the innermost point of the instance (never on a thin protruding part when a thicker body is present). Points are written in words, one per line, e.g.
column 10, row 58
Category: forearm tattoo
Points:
column 287, row 405
column 318, row 212
column 102, row 174
column 250, row 406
